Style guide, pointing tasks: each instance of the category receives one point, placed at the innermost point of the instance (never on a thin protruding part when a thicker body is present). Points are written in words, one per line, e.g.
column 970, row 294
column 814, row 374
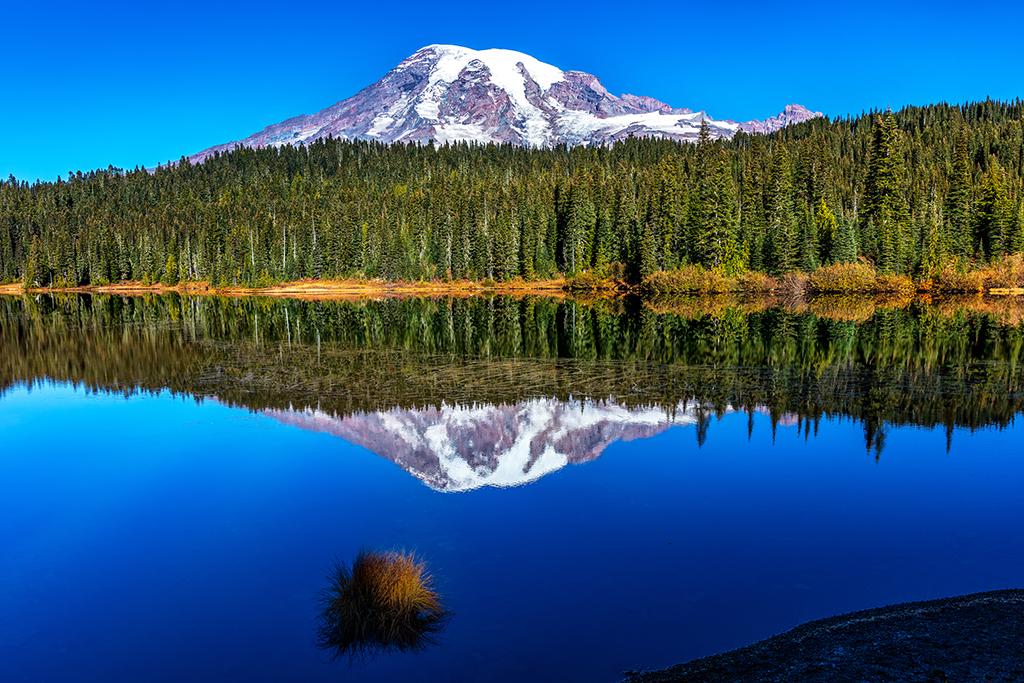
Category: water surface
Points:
column 595, row 487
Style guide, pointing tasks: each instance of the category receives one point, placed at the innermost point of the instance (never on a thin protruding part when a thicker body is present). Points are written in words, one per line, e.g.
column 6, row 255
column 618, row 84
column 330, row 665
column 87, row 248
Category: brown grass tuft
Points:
column 385, row 600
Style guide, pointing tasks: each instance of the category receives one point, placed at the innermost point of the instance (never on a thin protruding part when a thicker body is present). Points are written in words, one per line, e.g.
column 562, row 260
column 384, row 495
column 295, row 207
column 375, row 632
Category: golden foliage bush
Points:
column 1007, row 272
column 895, row 284
column 689, row 279
column 383, row 601
column 843, row 278
column 757, row 282
column 956, row 280
column 590, row 281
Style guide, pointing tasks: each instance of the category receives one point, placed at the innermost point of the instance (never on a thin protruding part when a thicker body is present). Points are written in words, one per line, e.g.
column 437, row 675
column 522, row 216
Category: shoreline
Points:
column 327, row 290
column 967, row 637
column 318, row 290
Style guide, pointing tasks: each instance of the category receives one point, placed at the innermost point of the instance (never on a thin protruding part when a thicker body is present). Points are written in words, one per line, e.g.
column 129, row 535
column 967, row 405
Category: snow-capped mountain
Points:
column 447, row 93
column 460, row 448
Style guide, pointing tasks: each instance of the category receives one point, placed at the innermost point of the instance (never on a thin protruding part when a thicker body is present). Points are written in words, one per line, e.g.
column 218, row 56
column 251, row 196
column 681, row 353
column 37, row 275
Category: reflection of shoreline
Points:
column 1005, row 305
column 901, row 366
column 316, row 290
column 460, row 448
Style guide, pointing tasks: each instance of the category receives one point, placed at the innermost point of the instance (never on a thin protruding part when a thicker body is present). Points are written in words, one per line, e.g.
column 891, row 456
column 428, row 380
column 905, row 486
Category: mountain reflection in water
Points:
column 459, row 448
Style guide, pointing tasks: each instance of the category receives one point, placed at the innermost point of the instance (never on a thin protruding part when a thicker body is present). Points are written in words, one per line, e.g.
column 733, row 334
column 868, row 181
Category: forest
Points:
column 916, row 192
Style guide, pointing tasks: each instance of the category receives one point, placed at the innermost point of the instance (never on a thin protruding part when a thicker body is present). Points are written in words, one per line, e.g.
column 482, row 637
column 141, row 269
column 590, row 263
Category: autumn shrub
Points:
column 751, row 281
column 689, row 279
column 843, row 278
column 901, row 285
column 793, row 284
column 1006, row 273
column 590, row 281
column 957, row 280
column 383, row 601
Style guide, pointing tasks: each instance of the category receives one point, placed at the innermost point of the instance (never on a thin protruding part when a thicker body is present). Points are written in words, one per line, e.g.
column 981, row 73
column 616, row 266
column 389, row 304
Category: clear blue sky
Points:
column 86, row 85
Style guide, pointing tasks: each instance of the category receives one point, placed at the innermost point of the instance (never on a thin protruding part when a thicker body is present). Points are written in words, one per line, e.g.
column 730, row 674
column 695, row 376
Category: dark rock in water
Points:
column 977, row 637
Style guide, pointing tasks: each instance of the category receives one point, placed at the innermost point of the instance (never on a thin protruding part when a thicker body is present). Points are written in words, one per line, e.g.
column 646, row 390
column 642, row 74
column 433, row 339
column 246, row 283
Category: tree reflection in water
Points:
column 952, row 363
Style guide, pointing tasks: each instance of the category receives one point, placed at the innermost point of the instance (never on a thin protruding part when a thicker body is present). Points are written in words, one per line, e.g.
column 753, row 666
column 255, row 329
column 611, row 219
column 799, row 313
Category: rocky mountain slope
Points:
column 446, row 93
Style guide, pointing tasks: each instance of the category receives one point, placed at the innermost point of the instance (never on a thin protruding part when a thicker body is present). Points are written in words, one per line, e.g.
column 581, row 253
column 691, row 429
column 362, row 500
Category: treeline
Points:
column 912, row 192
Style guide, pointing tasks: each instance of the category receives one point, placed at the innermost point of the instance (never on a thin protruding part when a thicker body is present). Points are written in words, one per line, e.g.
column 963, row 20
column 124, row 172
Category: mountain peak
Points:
column 449, row 93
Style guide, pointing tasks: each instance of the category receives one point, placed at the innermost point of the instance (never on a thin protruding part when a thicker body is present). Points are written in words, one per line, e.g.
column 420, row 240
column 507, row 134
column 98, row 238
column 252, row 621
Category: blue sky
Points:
column 86, row 85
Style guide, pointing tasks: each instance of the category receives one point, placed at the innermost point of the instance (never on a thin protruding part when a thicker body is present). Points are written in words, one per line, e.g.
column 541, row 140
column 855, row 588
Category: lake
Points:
column 595, row 486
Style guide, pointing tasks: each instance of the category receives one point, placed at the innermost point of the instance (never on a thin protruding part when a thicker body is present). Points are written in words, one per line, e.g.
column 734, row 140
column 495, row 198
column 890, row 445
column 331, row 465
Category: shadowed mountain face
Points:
column 459, row 448
column 447, row 93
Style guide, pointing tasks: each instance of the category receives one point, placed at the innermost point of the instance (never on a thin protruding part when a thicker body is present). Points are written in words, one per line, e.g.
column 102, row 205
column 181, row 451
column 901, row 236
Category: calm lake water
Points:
column 595, row 487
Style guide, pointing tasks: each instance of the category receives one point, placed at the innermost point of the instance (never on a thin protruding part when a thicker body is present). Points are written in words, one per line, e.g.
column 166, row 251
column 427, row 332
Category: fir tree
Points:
column 782, row 230
column 827, row 229
column 885, row 205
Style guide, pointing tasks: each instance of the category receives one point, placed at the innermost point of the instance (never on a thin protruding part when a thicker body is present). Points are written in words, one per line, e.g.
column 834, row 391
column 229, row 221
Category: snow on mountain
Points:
column 793, row 113
column 460, row 448
column 447, row 93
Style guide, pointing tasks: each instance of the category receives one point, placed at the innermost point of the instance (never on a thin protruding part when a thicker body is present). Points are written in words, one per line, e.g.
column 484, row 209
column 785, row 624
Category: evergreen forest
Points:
column 912, row 192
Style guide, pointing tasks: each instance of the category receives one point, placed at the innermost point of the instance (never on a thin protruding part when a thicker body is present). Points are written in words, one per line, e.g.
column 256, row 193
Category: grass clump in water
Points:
column 385, row 601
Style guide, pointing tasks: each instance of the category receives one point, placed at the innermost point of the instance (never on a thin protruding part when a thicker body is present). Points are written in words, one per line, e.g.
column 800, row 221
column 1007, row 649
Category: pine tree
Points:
column 647, row 250
column 752, row 220
column 844, row 248
column 602, row 255
column 827, row 228
column 885, row 206
column 667, row 213
column 958, row 201
column 711, row 210
column 628, row 231
column 932, row 249
column 809, row 242
column 782, row 230
column 170, row 276
column 33, row 270
column 1017, row 237
column 579, row 227
column 994, row 215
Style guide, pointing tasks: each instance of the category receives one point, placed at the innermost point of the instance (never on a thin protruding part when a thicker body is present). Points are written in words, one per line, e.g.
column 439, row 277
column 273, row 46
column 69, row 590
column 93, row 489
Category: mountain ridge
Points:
column 450, row 94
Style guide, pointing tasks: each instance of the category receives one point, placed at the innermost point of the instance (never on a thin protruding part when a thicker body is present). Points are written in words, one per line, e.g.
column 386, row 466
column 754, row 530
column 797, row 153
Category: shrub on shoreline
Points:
column 688, row 278
column 1006, row 273
column 956, row 281
column 753, row 282
column 895, row 284
column 858, row 278
column 590, row 281
column 843, row 278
